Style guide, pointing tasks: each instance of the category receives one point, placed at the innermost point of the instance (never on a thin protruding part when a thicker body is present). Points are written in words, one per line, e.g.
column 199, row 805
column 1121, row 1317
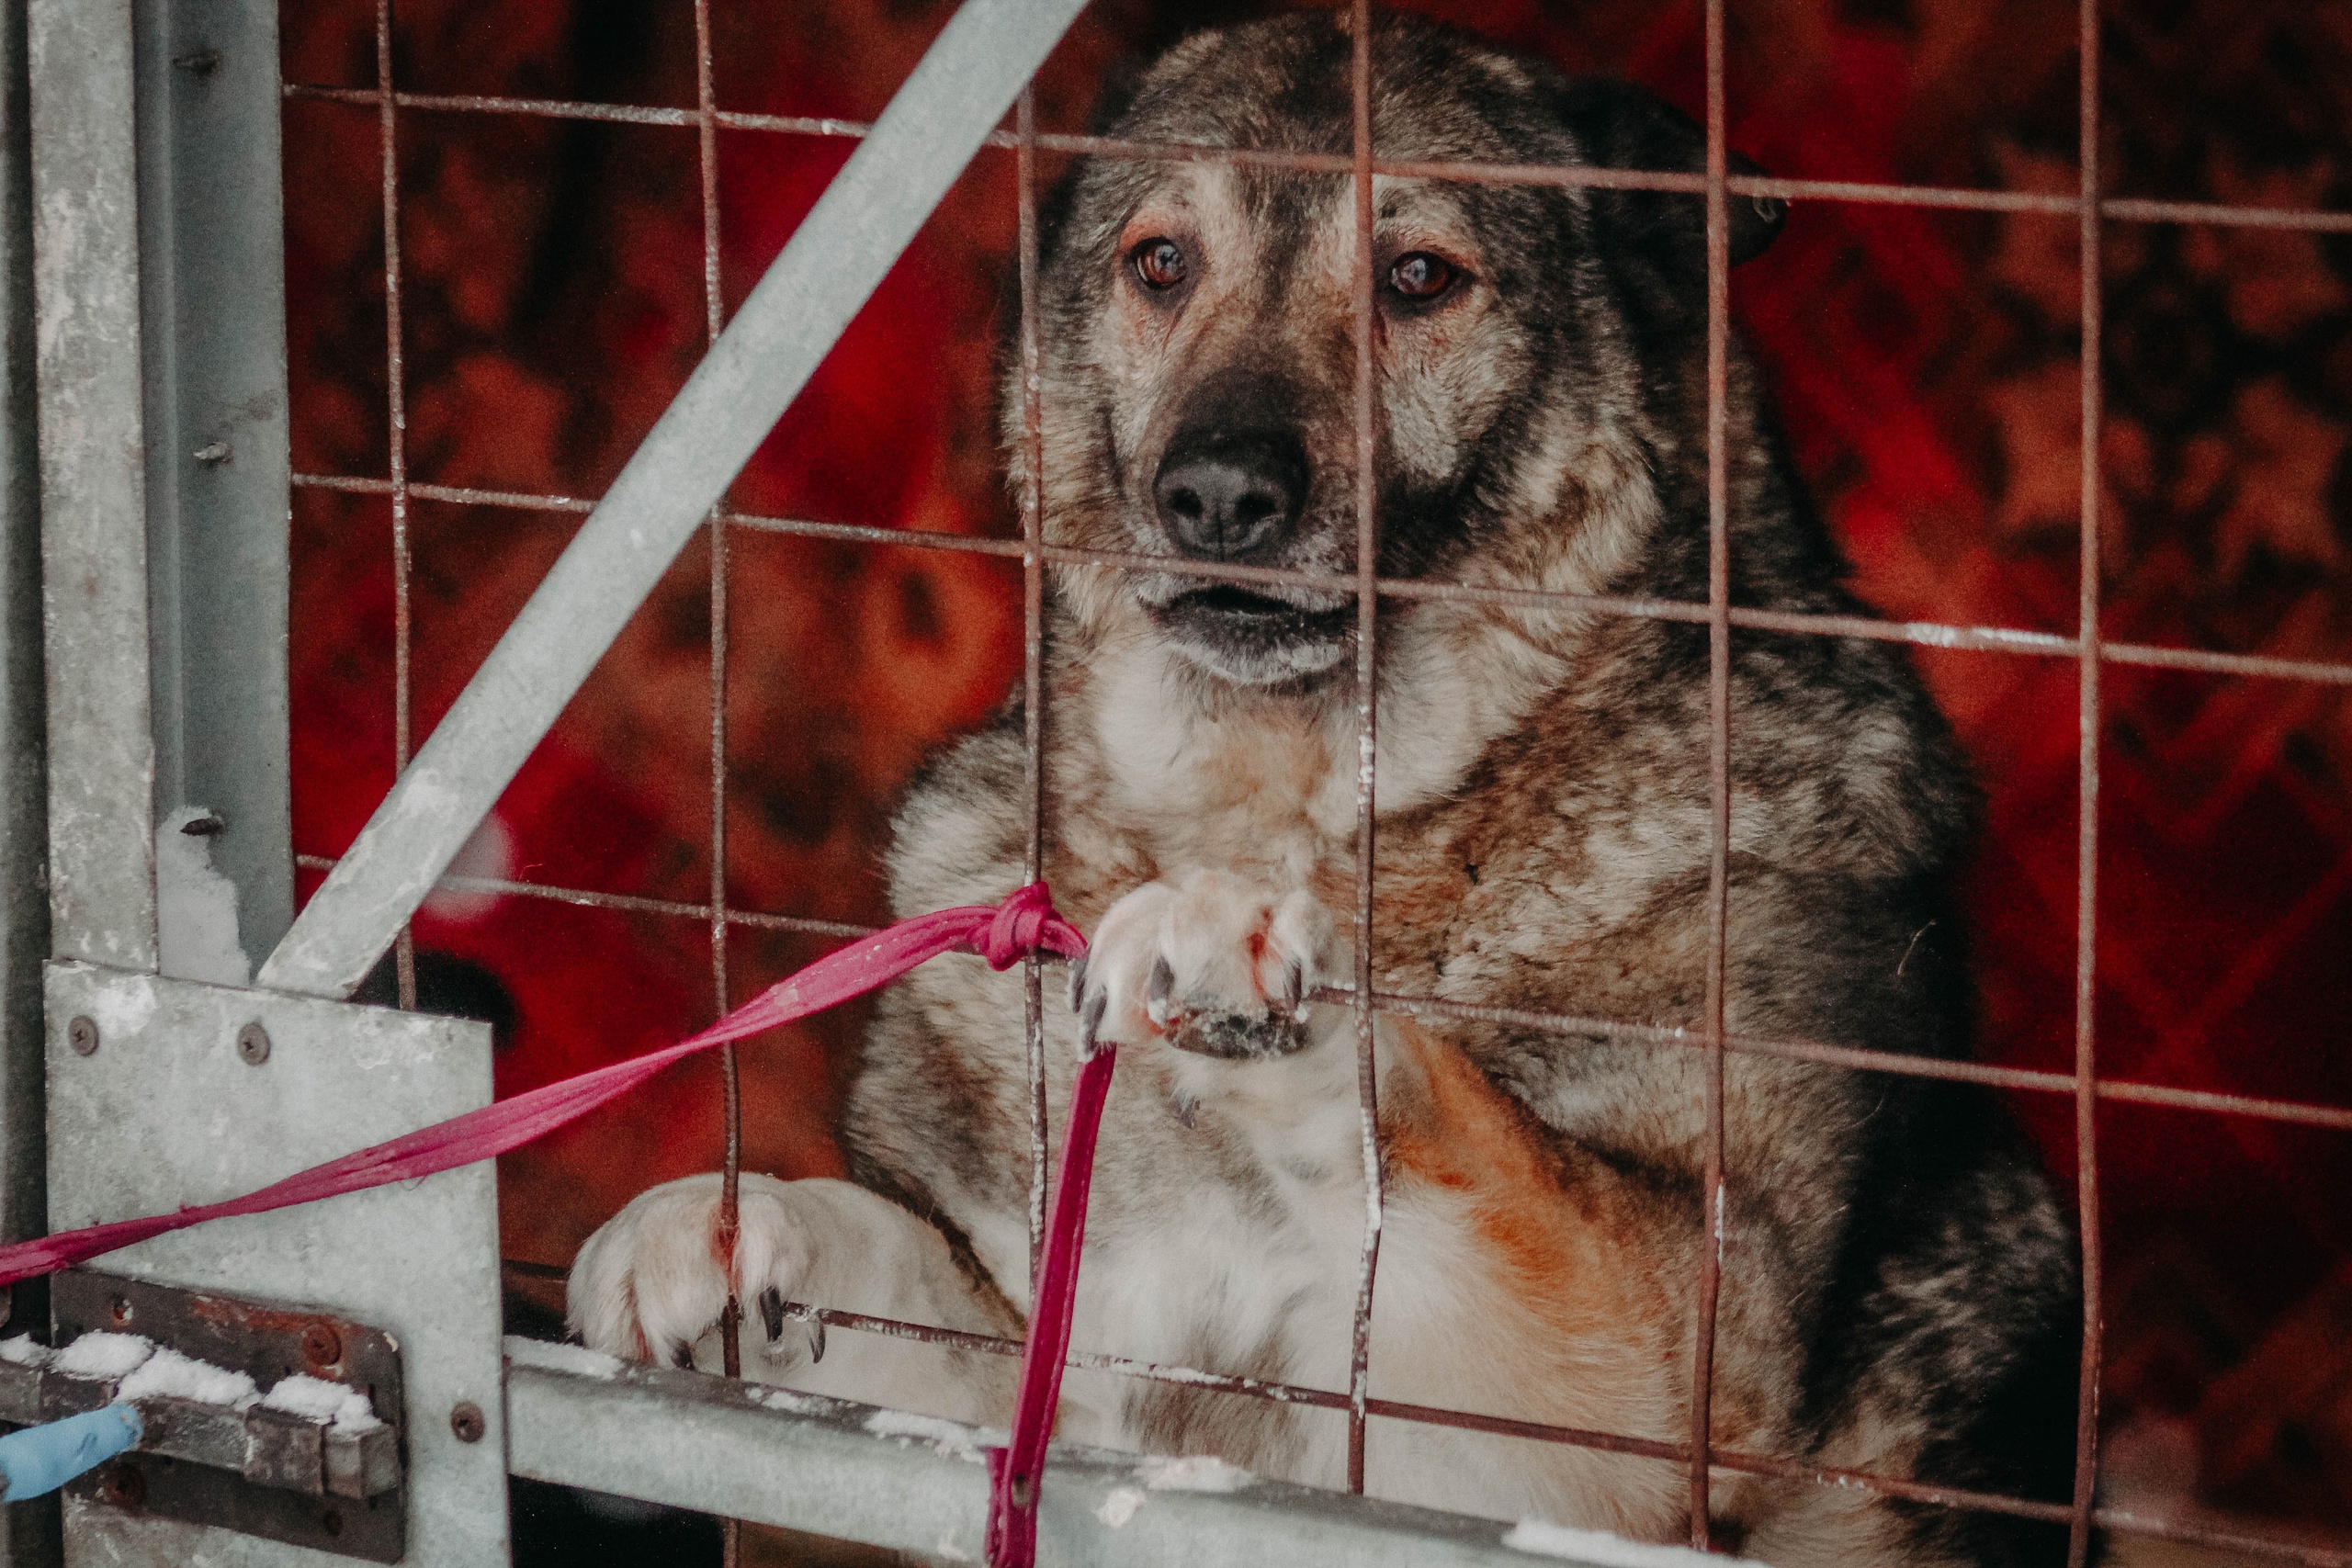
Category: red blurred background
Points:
column 1927, row 366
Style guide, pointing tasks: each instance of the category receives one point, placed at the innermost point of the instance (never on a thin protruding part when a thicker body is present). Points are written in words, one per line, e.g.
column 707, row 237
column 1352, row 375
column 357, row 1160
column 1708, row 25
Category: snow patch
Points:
column 195, row 906
column 316, row 1399
column 1193, row 1472
column 792, row 1403
column 23, row 1351
column 947, row 1437
column 577, row 1359
column 168, row 1373
column 104, row 1355
column 1192, row 1375
column 1119, row 1506
column 1601, row 1549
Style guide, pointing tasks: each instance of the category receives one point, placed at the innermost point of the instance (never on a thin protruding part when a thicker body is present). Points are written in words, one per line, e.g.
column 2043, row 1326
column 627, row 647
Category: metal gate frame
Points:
column 143, row 314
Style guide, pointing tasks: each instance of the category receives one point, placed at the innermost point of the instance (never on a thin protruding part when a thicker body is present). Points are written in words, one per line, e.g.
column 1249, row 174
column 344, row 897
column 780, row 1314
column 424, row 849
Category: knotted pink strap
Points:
column 1003, row 934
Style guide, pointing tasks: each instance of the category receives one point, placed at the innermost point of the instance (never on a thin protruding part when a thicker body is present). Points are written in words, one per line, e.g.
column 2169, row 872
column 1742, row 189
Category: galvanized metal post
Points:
column 94, row 490
column 212, row 289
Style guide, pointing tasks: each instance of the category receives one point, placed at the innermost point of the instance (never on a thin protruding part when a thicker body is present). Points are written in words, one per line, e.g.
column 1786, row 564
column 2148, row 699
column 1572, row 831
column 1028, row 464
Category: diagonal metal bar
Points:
column 943, row 115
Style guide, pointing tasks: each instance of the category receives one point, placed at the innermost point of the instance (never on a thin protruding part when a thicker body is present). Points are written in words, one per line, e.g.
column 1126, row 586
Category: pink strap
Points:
column 1003, row 934
column 1013, row 1471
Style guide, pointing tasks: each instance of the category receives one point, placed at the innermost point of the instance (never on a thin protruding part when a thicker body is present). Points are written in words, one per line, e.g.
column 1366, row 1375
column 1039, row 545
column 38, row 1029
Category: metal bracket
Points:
column 259, row 1471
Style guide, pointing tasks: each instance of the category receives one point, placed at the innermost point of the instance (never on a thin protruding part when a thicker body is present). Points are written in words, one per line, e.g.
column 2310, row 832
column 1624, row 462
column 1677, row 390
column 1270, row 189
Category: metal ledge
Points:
column 831, row 1467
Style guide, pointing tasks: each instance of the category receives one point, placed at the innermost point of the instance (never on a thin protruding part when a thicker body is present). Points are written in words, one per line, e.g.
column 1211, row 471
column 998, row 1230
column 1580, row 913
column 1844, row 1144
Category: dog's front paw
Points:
column 652, row 1283
column 1210, row 962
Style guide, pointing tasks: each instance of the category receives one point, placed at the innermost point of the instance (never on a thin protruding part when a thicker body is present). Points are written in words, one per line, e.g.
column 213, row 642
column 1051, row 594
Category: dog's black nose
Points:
column 1230, row 494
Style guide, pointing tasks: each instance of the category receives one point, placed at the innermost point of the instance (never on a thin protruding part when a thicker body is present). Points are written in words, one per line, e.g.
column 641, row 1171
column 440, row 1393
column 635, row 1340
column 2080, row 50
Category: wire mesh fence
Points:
column 2087, row 648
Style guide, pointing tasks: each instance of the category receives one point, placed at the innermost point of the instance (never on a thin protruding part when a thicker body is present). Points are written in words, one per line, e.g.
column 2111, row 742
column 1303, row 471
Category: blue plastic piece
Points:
column 42, row 1459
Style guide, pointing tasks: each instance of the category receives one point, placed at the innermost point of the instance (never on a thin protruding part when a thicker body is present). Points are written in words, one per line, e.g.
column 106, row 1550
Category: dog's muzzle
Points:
column 1232, row 487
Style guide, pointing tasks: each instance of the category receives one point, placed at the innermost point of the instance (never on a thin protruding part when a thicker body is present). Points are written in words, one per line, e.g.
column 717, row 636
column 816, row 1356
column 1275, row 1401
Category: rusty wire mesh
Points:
column 1716, row 185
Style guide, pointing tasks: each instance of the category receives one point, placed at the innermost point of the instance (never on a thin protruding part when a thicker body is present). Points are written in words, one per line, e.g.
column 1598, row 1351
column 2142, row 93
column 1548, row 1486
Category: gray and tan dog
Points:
column 1899, row 1291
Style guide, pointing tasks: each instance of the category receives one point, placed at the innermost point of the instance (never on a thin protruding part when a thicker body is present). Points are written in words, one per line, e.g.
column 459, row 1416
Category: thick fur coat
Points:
column 1899, row 1289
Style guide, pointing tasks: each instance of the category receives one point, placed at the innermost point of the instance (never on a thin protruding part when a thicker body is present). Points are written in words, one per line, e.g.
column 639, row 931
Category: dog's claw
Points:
column 772, row 1313
column 1090, row 1021
column 816, row 1340
column 1163, row 985
column 1077, row 981
column 1294, row 989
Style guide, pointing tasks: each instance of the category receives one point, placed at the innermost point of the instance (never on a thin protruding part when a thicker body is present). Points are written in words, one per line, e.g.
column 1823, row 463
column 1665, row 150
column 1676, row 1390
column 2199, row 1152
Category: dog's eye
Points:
column 1160, row 262
column 1420, row 276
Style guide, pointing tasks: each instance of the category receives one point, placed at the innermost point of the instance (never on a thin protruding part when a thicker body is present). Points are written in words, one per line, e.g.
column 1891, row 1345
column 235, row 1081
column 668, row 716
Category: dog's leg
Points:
column 1522, row 1275
column 651, row 1283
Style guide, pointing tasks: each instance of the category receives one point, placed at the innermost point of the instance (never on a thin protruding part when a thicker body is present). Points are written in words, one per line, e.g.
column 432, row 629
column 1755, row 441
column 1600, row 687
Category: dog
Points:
column 1899, row 1290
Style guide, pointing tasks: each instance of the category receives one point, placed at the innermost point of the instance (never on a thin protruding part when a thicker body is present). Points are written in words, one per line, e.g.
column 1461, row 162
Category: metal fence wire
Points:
column 2087, row 648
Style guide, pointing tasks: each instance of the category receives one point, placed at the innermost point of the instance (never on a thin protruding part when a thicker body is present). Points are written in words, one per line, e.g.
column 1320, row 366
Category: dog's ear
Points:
column 1624, row 127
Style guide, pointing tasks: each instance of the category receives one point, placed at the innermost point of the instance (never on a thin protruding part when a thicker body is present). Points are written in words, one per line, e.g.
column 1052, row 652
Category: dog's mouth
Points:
column 1231, row 620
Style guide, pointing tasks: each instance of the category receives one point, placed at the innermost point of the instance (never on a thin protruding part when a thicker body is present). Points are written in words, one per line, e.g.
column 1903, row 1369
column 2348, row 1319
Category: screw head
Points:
column 81, row 1033
column 322, row 1345
column 253, row 1043
column 466, row 1420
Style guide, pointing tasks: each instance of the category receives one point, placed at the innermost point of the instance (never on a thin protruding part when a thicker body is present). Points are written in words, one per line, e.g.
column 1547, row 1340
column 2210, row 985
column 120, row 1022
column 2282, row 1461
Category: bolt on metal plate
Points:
column 253, row 1043
column 322, row 1347
column 81, row 1033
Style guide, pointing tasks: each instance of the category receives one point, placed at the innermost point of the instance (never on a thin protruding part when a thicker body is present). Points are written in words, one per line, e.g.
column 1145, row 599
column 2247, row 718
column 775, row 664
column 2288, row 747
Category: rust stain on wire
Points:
column 627, row 903
column 1712, row 1200
column 2163, row 1096
column 2129, row 209
column 1033, row 660
column 1918, row 633
column 1858, row 1058
column 2087, row 819
column 1367, row 586
column 396, row 402
column 730, row 1318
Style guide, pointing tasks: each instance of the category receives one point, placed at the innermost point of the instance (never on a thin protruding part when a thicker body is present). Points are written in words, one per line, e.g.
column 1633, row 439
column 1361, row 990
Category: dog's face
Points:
column 1201, row 328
